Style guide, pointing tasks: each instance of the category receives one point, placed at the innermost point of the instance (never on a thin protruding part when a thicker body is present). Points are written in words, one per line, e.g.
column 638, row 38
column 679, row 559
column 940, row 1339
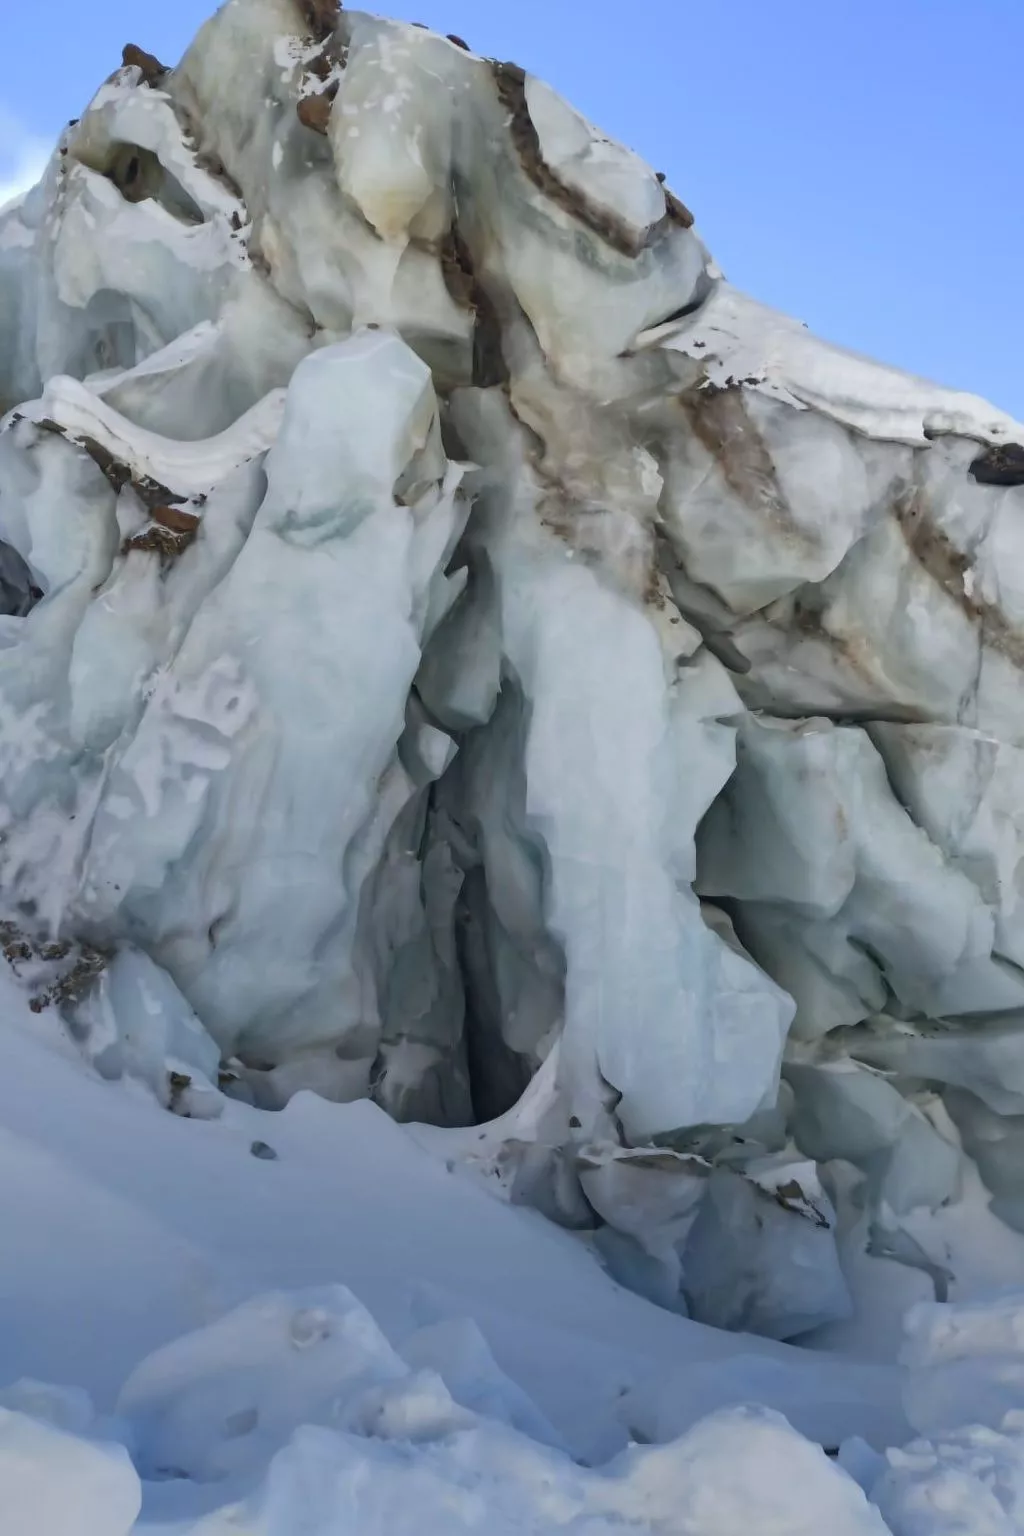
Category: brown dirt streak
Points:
column 947, row 566
column 720, row 421
column 510, row 81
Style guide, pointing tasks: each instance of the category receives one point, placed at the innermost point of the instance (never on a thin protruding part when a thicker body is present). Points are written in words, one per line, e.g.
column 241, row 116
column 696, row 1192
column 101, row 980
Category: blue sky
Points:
column 856, row 162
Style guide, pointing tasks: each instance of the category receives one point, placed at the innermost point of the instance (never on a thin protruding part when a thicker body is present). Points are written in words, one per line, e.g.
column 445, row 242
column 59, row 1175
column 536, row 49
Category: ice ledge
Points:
column 740, row 342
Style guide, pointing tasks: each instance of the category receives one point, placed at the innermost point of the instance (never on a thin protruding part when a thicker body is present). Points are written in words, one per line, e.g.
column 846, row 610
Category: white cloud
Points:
column 23, row 157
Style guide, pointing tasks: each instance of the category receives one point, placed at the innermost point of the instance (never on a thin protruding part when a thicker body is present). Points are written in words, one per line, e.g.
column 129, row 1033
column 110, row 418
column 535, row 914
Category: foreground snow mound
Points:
column 396, row 1451
column 735, row 1470
column 736, row 1473
column 358, row 1441
column 970, row 1481
column 964, row 1395
column 966, row 1363
column 457, row 651
column 59, row 1484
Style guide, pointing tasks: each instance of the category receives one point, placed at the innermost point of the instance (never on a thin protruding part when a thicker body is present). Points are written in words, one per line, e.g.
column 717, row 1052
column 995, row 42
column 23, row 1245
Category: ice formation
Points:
column 358, row 1441
column 456, row 650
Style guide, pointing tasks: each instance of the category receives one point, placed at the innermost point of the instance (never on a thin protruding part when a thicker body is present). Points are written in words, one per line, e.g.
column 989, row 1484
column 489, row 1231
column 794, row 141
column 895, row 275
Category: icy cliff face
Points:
column 456, row 649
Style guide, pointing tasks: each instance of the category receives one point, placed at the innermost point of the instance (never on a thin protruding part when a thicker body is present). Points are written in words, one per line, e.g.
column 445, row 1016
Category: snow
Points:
column 191, row 470
column 966, row 1472
column 778, row 357
column 453, row 1484
column 422, row 1245
column 966, row 1363
column 212, row 1346
column 251, row 1366
column 63, row 1484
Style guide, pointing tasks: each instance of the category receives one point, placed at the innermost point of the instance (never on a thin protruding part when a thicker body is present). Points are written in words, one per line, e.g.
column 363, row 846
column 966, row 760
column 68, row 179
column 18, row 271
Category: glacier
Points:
column 465, row 667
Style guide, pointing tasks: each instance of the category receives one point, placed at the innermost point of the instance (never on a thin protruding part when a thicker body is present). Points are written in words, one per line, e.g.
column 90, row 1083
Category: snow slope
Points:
column 129, row 1228
column 200, row 1298
column 193, row 1224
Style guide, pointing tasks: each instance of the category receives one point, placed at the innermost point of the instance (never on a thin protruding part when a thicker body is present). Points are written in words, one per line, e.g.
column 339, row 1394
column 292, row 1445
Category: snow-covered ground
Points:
column 300, row 1322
